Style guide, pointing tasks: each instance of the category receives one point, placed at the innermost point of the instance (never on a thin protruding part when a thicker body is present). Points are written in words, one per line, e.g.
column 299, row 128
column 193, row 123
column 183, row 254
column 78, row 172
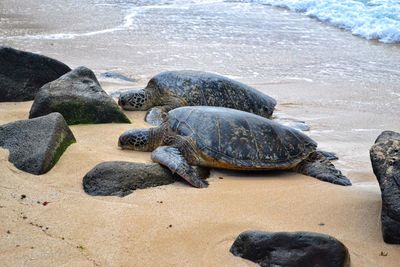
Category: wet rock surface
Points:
column 36, row 145
column 79, row 97
column 297, row 249
column 385, row 159
column 22, row 73
column 116, row 75
column 120, row 178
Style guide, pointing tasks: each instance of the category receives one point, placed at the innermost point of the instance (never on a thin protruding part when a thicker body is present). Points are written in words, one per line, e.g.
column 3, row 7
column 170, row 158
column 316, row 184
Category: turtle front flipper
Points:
column 156, row 115
column 172, row 158
column 318, row 166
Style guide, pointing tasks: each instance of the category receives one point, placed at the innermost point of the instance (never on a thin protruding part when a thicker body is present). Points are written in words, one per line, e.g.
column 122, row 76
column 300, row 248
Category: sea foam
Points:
column 371, row 19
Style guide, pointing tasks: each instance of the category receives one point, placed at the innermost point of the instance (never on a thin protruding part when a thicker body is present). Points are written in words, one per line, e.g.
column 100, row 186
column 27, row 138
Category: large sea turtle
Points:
column 172, row 89
column 225, row 138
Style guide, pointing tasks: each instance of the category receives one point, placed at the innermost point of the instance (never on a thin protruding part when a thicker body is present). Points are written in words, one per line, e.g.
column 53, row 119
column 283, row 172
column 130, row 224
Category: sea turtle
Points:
column 225, row 138
column 172, row 89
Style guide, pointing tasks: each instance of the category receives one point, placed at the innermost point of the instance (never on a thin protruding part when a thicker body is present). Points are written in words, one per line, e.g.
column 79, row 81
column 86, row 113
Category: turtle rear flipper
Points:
column 172, row 158
column 318, row 166
column 329, row 155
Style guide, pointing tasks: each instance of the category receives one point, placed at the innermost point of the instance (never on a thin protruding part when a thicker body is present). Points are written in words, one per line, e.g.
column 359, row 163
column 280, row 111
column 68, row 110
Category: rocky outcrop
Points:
column 119, row 178
column 385, row 158
column 297, row 249
column 22, row 74
column 36, row 145
column 79, row 97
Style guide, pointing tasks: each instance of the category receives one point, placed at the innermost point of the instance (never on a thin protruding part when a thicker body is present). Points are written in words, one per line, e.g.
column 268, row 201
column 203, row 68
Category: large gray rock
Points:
column 79, row 97
column 23, row 73
column 385, row 158
column 36, row 145
column 119, row 178
column 297, row 249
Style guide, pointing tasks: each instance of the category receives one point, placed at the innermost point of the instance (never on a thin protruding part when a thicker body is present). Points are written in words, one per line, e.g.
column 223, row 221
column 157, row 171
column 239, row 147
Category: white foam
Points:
column 365, row 130
column 371, row 19
column 300, row 79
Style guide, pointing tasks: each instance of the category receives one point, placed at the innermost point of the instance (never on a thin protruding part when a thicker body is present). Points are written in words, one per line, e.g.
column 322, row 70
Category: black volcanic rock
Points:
column 22, row 74
column 120, row 178
column 385, row 159
column 36, row 145
column 79, row 97
column 297, row 249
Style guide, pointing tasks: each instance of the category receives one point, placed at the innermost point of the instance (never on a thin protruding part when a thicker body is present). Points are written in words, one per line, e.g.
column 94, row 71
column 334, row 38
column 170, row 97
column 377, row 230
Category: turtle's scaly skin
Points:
column 172, row 89
column 232, row 139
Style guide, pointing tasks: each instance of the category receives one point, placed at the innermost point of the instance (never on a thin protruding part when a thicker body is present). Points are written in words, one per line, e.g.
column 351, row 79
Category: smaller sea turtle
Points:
column 172, row 89
column 216, row 137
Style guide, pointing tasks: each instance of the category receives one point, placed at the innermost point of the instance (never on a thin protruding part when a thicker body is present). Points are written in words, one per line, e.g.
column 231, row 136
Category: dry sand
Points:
column 191, row 227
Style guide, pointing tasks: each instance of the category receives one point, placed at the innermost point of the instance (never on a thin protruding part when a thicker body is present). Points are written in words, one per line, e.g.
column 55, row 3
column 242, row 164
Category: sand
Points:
column 191, row 227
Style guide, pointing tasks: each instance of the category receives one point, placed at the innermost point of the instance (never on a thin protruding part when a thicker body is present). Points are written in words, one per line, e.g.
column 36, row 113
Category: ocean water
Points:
column 370, row 19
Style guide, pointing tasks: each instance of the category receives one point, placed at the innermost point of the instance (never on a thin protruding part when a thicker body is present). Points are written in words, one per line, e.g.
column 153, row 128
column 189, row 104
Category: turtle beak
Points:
column 119, row 143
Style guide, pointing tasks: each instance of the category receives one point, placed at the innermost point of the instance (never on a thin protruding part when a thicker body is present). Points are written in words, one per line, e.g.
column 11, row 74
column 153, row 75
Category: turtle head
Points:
column 135, row 100
column 141, row 139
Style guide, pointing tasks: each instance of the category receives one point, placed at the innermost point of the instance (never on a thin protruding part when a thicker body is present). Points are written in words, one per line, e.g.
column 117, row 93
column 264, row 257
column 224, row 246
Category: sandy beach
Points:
column 344, row 87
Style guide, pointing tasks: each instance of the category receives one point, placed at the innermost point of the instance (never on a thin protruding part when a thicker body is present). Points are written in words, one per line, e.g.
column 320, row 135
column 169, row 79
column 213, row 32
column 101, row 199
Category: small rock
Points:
column 8, row 232
column 298, row 249
column 36, row 145
column 45, row 203
column 119, row 178
column 385, row 159
column 23, row 196
column 116, row 75
column 79, row 97
column 383, row 254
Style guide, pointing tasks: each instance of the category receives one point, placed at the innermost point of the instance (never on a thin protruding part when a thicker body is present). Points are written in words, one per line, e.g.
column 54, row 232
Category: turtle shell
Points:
column 229, row 138
column 199, row 88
